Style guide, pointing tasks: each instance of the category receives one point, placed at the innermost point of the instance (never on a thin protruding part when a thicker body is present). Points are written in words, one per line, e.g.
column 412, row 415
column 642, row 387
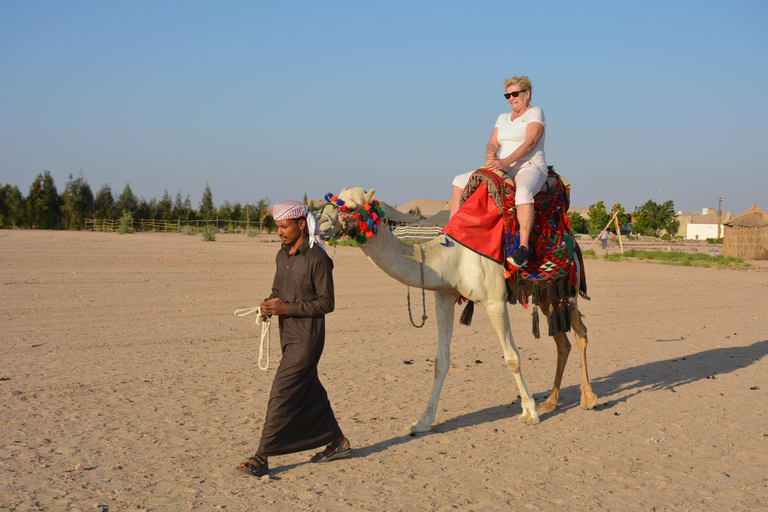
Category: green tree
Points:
column 598, row 218
column 237, row 212
column 621, row 216
column 144, row 208
column 261, row 211
column 207, row 209
column 104, row 204
column 12, row 207
column 652, row 219
column 77, row 202
column 43, row 203
column 127, row 201
column 182, row 209
column 269, row 223
column 225, row 211
column 578, row 223
column 164, row 207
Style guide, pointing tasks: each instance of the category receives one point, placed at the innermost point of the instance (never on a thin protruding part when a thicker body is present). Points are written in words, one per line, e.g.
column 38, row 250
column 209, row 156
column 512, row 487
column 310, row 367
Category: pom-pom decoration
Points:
column 364, row 221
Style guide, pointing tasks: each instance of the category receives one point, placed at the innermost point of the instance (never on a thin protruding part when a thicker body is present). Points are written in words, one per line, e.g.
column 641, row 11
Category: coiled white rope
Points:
column 264, row 332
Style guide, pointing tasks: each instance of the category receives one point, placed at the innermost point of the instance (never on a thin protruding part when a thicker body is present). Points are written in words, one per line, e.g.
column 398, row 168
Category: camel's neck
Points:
column 403, row 261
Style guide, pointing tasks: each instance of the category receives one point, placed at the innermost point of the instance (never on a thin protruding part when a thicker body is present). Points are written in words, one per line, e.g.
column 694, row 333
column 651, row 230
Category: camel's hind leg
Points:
column 445, row 305
column 588, row 398
column 497, row 311
column 563, row 349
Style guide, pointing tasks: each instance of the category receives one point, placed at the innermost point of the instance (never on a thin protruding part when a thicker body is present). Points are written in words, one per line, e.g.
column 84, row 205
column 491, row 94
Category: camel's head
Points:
column 354, row 212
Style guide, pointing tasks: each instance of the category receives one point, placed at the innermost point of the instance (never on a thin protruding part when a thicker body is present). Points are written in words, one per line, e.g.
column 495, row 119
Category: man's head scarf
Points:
column 294, row 210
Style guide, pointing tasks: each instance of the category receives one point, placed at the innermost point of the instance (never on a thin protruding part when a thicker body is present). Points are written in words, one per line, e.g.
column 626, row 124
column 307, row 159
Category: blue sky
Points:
column 643, row 100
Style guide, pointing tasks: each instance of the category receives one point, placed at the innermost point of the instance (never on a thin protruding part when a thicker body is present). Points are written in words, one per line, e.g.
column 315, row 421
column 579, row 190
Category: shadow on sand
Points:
column 629, row 382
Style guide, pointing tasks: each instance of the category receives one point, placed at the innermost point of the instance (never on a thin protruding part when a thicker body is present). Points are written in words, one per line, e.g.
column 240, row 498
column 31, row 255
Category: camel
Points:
column 451, row 272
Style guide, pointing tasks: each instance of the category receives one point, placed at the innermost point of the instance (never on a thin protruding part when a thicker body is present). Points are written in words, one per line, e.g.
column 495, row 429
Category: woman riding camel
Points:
column 517, row 148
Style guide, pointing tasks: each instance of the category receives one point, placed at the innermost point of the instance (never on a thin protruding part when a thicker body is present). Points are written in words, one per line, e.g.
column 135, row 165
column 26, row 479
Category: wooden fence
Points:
column 171, row 226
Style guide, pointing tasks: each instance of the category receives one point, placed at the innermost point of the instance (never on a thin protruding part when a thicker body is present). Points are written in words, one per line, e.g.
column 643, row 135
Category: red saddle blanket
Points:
column 486, row 223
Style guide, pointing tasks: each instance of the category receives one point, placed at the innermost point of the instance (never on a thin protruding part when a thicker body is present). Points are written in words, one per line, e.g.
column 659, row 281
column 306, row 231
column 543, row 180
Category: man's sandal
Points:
column 260, row 468
column 333, row 452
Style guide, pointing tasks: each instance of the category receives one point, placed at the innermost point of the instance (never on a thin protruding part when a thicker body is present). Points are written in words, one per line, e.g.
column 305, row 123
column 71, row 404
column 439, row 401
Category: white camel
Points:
column 451, row 272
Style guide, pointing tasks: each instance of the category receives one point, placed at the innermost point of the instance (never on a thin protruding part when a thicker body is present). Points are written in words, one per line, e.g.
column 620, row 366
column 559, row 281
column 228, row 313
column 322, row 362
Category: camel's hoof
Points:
column 546, row 407
column 529, row 419
column 417, row 427
column 588, row 400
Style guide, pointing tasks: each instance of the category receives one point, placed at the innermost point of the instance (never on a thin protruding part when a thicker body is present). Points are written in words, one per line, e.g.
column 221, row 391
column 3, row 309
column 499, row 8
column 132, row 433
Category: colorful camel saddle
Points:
column 486, row 223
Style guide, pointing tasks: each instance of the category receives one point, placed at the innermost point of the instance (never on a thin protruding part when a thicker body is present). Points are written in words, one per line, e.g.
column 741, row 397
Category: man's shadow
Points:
column 629, row 382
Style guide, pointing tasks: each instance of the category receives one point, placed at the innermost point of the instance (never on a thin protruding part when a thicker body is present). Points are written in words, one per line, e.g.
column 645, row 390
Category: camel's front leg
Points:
column 445, row 304
column 497, row 311
column 588, row 397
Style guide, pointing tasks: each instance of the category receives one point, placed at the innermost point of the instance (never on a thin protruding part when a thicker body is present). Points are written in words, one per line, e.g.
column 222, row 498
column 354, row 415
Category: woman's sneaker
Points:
column 519, row 257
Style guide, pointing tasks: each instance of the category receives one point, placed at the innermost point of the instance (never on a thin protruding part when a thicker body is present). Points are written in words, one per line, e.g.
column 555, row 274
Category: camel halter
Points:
column 264, row 333
column 423, row 297
column 365, row 221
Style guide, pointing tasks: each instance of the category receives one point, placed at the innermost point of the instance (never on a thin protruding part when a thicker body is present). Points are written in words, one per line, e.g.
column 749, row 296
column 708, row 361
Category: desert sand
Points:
column 128, row 383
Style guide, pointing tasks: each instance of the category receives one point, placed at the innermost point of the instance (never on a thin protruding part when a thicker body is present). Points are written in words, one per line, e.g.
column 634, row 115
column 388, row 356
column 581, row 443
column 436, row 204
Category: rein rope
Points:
column 365, row 221
column 264, row 333
column 423, row 296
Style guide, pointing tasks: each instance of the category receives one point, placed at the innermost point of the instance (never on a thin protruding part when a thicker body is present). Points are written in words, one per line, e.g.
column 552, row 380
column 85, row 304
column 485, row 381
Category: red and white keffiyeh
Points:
column 294, row 210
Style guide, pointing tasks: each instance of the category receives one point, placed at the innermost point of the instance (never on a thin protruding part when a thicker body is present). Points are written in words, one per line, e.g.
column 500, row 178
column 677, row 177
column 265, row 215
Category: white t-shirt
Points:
column 511, row 135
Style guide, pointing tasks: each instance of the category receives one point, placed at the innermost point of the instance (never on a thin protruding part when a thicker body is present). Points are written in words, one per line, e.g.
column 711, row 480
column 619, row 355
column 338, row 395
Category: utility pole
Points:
column 719, row 216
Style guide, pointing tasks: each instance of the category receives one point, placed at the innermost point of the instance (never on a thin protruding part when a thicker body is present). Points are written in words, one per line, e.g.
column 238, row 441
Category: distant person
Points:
column 517, row 148
column 604, row 239
column 299, row 415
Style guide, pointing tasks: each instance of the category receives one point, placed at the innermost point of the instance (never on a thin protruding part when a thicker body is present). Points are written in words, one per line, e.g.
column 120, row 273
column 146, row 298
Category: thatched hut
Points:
column 746, row 235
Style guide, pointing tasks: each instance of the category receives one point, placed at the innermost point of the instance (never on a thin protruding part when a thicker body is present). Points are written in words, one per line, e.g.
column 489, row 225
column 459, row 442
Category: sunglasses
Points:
column 513, row 94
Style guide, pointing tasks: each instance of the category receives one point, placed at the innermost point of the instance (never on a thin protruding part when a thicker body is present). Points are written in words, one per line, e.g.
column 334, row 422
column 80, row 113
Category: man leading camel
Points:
column 299, row 415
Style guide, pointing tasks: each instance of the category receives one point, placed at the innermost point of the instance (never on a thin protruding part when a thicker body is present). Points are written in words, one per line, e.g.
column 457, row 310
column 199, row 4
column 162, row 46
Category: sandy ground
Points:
column 121, row 357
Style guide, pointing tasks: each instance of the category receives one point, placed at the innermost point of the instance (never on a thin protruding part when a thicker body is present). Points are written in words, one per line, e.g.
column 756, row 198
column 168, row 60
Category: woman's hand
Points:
column 494, row 164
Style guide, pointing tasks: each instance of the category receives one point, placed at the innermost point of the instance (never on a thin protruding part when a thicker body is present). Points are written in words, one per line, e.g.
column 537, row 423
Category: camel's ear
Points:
column 370, row 195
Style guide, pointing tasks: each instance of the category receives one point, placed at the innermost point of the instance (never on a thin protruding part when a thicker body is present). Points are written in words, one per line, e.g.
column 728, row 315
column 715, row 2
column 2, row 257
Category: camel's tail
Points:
column 466, row 315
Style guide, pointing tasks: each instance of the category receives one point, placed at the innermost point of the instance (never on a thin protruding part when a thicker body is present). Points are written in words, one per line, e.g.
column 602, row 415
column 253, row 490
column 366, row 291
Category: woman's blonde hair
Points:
column 523, row 81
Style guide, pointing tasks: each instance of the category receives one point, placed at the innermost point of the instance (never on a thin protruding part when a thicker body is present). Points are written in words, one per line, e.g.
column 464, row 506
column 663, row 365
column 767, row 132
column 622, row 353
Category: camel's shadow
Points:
column 627, row 382
column 672, row 373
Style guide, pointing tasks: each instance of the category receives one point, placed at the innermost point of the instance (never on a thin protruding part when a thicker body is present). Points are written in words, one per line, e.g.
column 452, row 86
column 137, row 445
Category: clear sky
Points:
column 643, row 100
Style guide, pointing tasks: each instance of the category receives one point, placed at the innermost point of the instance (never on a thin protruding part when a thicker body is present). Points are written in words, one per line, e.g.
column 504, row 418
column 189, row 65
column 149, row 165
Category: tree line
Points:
column 45, row 208
column 650, row 219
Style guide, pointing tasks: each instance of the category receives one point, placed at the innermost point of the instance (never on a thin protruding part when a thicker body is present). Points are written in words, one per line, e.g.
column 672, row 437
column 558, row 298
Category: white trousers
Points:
column 529, row 177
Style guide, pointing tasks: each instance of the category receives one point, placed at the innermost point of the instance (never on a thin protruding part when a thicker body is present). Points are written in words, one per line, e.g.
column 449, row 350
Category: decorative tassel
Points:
column 524, row 295
column 561, row 317
column 536, row 295
column 535, row 323
column 551, row 293
column 551, row 321
column 572, row 278
column 561, row 295
column 568, row 314
column 511, row 294
column 466, row 315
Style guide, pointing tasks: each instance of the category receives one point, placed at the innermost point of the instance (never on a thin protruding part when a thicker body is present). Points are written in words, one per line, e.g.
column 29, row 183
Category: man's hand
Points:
column 274, row 306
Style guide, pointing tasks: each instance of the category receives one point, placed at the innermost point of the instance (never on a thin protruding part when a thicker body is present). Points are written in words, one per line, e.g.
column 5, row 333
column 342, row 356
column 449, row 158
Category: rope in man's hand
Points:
column 264, row 333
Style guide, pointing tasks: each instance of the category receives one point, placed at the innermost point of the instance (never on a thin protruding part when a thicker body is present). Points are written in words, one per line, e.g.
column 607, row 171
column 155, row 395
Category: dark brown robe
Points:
column 299, row 415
